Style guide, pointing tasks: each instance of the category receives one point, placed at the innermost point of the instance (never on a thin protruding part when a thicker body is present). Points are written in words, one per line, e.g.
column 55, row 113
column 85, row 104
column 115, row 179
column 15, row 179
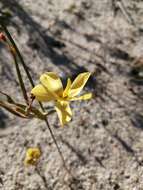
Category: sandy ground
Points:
column 103, row 144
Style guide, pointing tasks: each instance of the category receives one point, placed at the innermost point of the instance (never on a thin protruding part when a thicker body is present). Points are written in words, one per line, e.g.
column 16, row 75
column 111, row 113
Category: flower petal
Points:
column 64, row 111
column 42, row 94
column 78, row 84
column 66, row 91
column 52, row 82
column 83, row 97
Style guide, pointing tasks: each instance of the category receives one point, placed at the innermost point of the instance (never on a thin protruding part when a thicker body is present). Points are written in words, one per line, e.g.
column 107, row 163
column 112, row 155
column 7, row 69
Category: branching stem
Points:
column 32, row 84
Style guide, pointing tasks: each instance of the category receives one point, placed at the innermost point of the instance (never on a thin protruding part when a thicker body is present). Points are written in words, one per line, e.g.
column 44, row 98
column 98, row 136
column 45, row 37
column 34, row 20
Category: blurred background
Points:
column 103, row 144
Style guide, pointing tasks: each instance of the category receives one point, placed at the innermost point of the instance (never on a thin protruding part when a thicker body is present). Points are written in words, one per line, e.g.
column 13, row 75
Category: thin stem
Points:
column 20, row 57
column 18, row 53
column 32, row 84
column 20, row 79
column 57, row 146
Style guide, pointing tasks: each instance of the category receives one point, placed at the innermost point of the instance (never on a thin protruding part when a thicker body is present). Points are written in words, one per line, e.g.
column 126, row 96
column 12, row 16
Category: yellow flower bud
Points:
column 32, row 156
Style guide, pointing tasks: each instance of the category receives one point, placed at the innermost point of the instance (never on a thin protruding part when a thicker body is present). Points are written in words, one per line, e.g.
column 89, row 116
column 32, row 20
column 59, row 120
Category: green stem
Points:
column 57, row 146
column 18, row 53
column 20, row 80
column 20, row 57
column 32, row 83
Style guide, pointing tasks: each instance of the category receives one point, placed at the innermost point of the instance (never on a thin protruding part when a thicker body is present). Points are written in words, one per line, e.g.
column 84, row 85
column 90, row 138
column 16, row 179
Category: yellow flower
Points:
column 51, row 88
column 32, row 156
